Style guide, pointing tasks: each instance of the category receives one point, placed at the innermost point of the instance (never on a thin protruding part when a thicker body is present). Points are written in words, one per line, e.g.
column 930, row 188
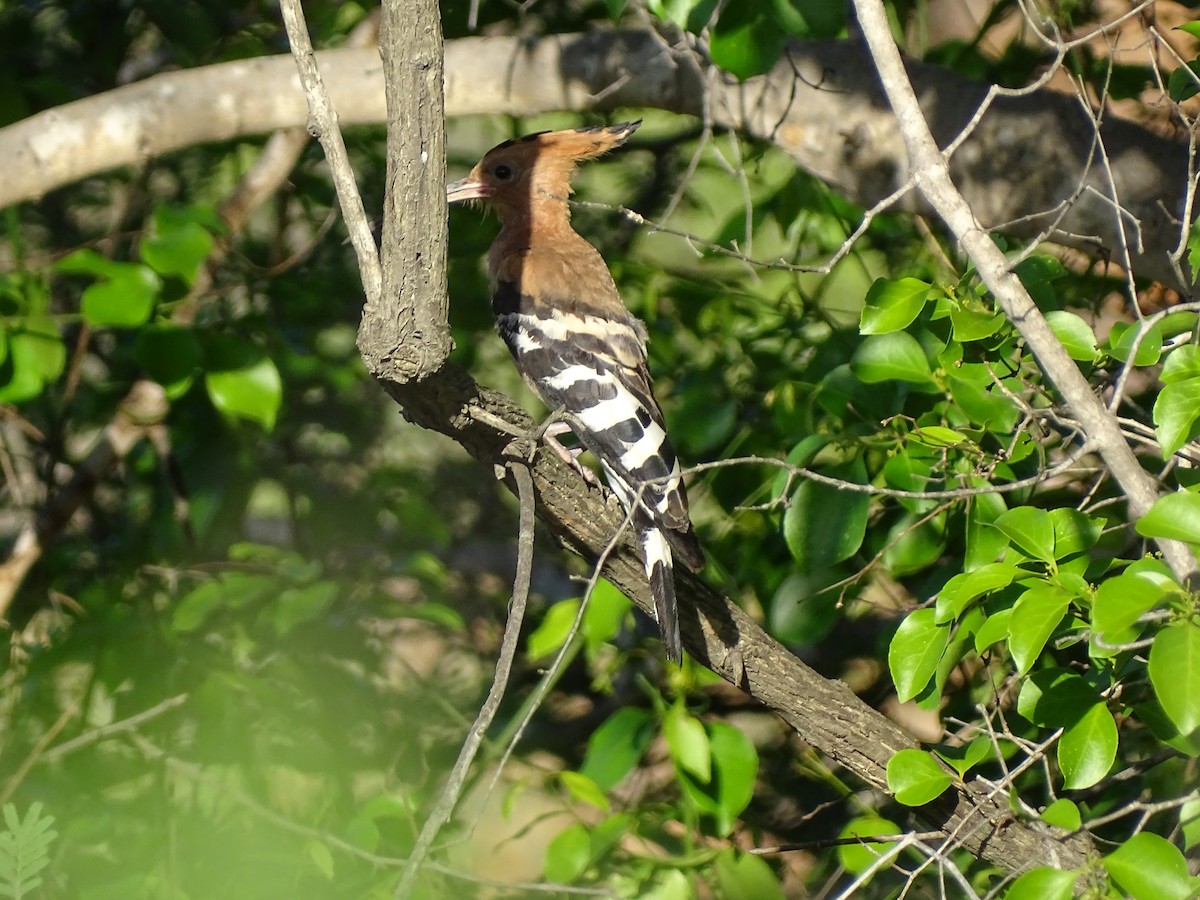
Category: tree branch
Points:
column 1026, row 168
column 931, row 172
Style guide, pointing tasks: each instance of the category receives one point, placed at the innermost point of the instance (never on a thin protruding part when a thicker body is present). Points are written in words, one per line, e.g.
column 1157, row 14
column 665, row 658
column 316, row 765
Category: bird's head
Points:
column 516, row 172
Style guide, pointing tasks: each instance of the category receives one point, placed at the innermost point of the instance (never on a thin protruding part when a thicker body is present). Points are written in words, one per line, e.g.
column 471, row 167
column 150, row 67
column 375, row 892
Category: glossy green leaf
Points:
column 88, row 262
column 1043, row 883
column 892, row 304
column 965, row 587
column 36, row 355
column 170, row 355
column 913, row 544
column 254, row 392
column 1184, row 82
column 617, row 745
column 985, row 406
column 125, row 301
column 1149, row 343
column 688, row 742
column 1054, row 698
column 803, row 610
column 1074, row 532
column 824, row 525
column 584, row 789
column 914, row 777
column 984, row 543
column 994, row 629
column 1149, row 867
column 1030, row 529
column 890, row 357
column 1175, row 415
column 178, row 246
column 1175, row 673
column 1088, row 748
column 938, row 436
column 605, row 615
column 744, row 876
column 1122, row 599
column 548, row 638
column 857, row 858
column 965, row 757
column 974, row 324
column 1063, row 813
column 1175, row 516
column 746, row 41
column 1074, row 334
column 735, row 767
column 568, row 855
column 1035, row 616
column 1182, row 364
column 1189, row 823
column 915, row 651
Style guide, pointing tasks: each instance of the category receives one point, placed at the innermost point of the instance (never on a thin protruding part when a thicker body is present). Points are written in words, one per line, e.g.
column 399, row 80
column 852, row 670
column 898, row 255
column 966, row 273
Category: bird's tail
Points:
column 657, row 553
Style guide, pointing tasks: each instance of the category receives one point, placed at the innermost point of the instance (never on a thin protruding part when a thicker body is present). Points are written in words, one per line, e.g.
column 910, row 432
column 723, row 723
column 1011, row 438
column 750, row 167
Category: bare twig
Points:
column 322, row 121
column 508, row 651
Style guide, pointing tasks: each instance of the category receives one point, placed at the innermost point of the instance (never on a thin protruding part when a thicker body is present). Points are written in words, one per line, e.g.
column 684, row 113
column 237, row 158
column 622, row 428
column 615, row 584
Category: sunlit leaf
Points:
column 915, row 777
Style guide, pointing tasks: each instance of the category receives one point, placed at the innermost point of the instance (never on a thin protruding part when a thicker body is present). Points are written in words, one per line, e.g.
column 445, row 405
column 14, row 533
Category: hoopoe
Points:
column 557, row 308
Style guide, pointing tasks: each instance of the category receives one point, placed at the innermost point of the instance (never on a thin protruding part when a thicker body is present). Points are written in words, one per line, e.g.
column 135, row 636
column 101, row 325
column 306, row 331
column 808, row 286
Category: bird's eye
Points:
column 503, row 172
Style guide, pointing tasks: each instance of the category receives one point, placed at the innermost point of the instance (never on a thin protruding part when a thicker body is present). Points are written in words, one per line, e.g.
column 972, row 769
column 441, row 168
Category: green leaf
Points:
column 605, row 615
column 179, row 245
column 939, row 437
column 616, row 746
column 965, row 587
column 824, row 525
column 24, row 849
column 170, row 355
column 984, row 543
column 1088, row 748
column 915, row 652
column 735, row 767
column 1192, row 28
column 1174, row 516
column 252, row 392
column 1189, row 823
column 36, row 355
column 1175, row 673
column 1183, row 364
column 1175, row 413
column 1043, row 883
column 1074, row 532
column 552, row 631
column 1123, row 599
column 584, row 789
column 914, row 777
column 1149, row 867
column 125, row 301
column 1035, row 616
column 746, row 40
column 965, row 757
column 298, row 605
column 803, row 610
column 891, row 357
column 974, row 324
column 1184, row 82
column 1064, row 814
column 1074, row 334
column 321, row 857
column 1124, row 336
column 857, row 858
column 985, row 407
column 994, row 629
column 568, row 855
column 89, row 262
column 744, row 876
column 1031, row 529
column 1055, row 698
column 891, row 305
column 688, row 742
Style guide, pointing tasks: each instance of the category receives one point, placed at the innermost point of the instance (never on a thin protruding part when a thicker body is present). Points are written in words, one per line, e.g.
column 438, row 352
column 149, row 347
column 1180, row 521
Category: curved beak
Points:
column 466, row 189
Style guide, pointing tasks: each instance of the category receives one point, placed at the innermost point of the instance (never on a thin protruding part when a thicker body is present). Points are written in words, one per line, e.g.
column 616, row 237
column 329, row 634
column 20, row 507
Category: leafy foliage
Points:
column 261, row 636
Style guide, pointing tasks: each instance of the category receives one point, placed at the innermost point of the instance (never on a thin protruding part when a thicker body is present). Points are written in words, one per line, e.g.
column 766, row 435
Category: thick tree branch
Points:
column 824, row 713
column 1029, row 161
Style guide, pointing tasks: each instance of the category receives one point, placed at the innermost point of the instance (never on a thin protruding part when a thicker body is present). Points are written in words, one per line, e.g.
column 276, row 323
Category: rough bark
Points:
column 406, row 336
column 1026, row 158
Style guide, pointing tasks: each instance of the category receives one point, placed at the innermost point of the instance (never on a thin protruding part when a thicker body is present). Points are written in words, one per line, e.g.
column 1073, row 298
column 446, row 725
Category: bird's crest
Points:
column 537, row 163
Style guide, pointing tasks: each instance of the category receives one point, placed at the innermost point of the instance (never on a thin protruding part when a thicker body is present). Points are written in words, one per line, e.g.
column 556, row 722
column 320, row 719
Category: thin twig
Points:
column 323, row 123
column 508, row 651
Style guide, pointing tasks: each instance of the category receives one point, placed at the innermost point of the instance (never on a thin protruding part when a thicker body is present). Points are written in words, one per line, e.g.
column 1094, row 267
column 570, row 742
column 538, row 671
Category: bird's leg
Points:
column 558, row 423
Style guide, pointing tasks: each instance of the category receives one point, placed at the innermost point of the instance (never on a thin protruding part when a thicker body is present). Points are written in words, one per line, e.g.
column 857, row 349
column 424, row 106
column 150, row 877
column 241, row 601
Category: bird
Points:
column 556, row 306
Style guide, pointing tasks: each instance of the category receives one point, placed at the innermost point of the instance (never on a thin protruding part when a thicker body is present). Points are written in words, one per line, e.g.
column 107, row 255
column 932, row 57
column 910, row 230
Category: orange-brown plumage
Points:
column 558, row 309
